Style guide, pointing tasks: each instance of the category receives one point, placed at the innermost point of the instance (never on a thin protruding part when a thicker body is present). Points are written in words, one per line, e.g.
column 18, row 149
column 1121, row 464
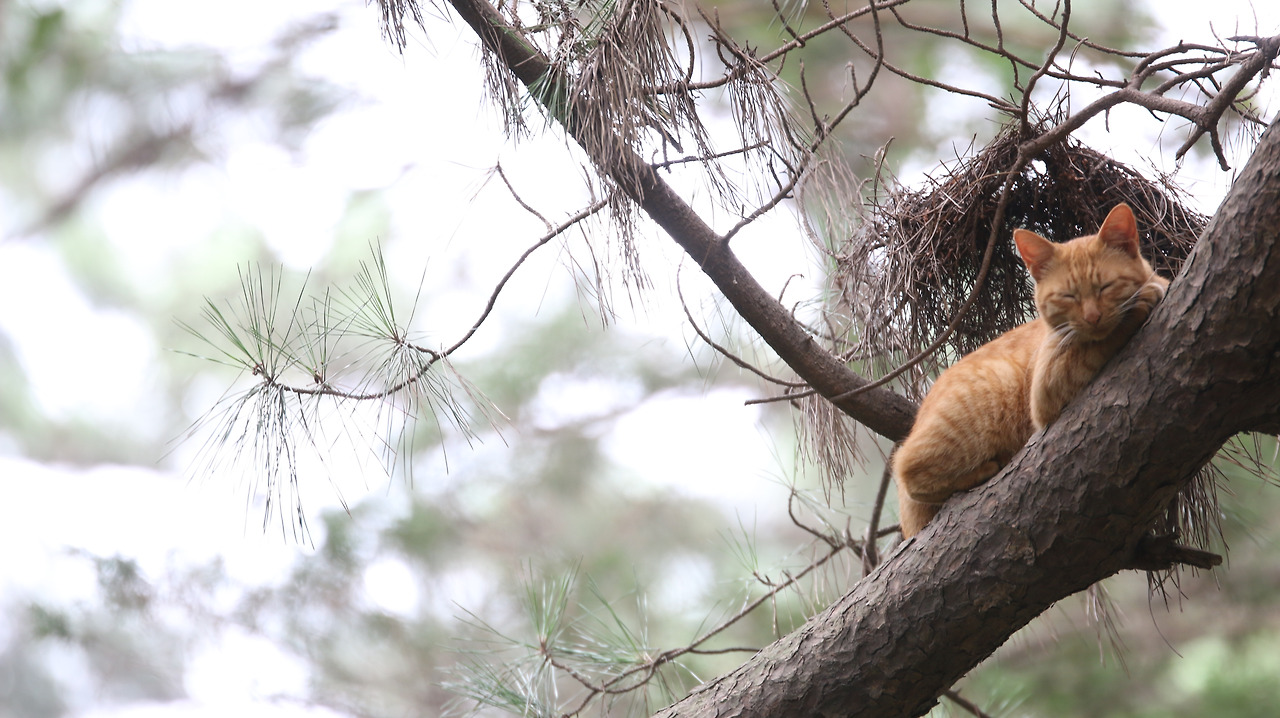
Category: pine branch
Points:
column 881, row 410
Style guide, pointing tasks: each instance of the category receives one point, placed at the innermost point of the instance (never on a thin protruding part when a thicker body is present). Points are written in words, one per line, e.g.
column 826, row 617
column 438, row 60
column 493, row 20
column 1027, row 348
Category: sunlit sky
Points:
column 393, row 137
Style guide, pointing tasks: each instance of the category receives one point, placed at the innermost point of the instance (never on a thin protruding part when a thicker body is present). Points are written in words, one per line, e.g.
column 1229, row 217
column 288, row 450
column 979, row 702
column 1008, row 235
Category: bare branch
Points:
column 1162, row 553
column 724, row 351
column 965, row 703
column 1025, row 114
column 870, row 555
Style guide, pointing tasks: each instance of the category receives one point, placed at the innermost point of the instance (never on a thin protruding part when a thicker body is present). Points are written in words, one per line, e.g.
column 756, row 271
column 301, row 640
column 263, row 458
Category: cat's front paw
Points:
column 1150, row 294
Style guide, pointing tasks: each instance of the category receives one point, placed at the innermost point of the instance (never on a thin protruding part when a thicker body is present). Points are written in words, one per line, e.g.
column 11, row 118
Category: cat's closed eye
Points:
column 1119, row 289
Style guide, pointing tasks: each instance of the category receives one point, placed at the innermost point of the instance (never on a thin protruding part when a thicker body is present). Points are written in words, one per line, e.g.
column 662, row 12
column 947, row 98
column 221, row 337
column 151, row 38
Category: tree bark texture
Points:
column 1068, row 511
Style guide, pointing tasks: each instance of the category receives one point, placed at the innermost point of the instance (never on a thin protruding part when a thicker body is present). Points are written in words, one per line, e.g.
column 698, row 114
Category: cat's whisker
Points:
column 1066, row 334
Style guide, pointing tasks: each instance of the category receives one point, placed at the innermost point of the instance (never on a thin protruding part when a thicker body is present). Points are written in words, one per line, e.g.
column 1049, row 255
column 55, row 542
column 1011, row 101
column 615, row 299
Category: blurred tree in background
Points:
column 540, row 521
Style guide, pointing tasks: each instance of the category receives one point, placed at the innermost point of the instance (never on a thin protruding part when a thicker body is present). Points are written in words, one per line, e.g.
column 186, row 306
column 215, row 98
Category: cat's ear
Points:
column 1120, row 230
column 1036, row 251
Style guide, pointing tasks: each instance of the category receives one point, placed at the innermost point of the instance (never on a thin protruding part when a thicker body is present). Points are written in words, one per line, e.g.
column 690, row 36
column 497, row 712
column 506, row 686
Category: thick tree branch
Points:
column 882, row 411
column 1071, row 509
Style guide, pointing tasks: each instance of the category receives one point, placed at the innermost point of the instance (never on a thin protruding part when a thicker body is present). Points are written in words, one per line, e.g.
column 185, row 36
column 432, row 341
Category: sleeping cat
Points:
column 1092, row 294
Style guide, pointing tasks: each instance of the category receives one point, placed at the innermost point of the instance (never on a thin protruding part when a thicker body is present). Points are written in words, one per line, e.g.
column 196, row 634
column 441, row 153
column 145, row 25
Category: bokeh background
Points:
column 154, row 154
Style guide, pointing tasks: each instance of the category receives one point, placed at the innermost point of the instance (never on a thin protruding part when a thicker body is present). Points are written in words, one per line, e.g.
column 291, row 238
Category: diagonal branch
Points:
column 882, row 411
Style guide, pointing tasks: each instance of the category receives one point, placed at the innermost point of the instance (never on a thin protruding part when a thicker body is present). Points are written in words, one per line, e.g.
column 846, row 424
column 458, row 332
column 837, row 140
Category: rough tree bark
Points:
column 1069, row 510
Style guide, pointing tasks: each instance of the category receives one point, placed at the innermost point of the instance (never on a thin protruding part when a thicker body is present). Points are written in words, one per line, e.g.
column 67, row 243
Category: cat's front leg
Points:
column 1138, row 308
column 1056, row 377
column 1149, row 295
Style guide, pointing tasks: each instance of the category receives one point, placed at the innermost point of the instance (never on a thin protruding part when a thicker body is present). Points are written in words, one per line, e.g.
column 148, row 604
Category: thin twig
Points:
column 870, row 552
column 707, row 158
column 724, row 351
column 434, row 356
column 965, row 703
column 520, row 200
column 1044, row 68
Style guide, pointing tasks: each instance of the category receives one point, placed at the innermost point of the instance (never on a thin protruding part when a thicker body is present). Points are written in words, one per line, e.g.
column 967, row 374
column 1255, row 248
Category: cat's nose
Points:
column 1091, row 314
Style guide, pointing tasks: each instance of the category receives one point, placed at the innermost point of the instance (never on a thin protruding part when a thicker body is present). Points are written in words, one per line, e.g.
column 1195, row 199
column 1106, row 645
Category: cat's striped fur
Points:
column 1092, row 294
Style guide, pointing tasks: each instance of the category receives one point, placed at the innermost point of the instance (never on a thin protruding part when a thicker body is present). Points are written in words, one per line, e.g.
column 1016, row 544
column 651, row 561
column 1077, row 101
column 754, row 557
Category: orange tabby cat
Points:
column 1092, row 294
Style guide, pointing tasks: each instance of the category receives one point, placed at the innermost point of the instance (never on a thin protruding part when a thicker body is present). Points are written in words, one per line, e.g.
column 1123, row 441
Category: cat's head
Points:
column 1086, row 285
